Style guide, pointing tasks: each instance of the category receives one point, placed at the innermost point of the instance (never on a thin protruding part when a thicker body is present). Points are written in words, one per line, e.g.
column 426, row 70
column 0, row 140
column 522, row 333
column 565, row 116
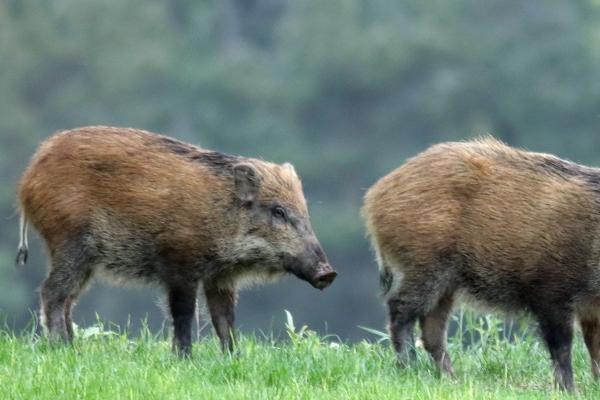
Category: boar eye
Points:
column 279, row 212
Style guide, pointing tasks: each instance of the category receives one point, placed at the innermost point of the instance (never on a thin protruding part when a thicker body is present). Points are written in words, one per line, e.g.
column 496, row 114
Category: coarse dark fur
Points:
column 516, row 230
column 139, row 207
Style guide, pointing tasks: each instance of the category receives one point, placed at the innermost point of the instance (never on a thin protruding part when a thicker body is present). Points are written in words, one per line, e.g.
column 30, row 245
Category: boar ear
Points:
column 247, row 182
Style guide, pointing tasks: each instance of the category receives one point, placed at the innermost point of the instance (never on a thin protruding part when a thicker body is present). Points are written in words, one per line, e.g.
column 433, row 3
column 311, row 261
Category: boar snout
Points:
column 312, row 266
column 324, row 276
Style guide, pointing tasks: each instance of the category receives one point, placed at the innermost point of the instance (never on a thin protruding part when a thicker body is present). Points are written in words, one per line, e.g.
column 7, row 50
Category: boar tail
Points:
column 23, row 250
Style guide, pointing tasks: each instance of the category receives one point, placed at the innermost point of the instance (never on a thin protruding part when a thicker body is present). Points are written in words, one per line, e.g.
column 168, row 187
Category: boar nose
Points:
column 324, row 277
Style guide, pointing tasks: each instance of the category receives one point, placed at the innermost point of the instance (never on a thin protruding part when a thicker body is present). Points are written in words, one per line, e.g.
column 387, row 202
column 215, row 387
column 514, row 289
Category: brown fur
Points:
column 513, row 229
column 140, row 207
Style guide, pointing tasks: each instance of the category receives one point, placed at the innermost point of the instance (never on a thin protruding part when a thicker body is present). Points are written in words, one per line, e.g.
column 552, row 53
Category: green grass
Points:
column 103, row 365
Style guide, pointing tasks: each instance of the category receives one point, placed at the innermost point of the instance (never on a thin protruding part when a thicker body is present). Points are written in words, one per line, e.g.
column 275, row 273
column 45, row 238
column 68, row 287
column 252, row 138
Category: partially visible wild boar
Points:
column 136, row 206
column 513, row 229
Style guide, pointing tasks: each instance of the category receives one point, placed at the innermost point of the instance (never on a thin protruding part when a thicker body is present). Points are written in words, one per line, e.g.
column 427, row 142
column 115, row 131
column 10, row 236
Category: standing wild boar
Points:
column 513, row 229
column 136, row 206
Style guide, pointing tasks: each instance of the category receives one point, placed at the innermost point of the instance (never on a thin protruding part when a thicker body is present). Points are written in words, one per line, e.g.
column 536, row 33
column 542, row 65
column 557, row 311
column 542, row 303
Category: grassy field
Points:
column 108, row 365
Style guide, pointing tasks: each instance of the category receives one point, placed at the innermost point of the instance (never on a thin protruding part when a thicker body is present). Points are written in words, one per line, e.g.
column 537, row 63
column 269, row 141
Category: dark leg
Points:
column 401, row 326
column 557, row 331
column 54, row 294
column 70, row 303
column 221, row 304
column 590, row 326
column 412, row 300
column 68, row 320
column 182, row 303
column 68, row 276
column 433, row 327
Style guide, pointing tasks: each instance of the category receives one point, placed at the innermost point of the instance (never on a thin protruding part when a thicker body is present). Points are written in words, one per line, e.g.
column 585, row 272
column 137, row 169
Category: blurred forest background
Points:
column 344, row 89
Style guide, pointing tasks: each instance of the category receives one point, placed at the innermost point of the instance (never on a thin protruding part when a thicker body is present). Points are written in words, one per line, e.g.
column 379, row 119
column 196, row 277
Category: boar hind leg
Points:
column 70, row 272
column 402, row 317
column 182, row 303
column 221, row 304
column 590, row 326
column 433, row 327
column 410, row 302
column 557, row 331
column 68, row 310
column 70, row 304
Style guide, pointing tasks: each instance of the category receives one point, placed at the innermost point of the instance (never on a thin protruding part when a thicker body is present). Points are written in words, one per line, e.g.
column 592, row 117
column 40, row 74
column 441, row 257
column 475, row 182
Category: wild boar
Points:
column 134, row 206
column 517, row 230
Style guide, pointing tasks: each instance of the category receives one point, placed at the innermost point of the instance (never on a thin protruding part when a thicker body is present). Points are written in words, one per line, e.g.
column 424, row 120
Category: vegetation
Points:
column 110, row 365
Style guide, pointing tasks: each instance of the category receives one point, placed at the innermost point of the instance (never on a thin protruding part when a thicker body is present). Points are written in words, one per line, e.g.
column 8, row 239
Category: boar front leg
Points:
column 557, row 330
column 182, row 302
column 221, row 304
